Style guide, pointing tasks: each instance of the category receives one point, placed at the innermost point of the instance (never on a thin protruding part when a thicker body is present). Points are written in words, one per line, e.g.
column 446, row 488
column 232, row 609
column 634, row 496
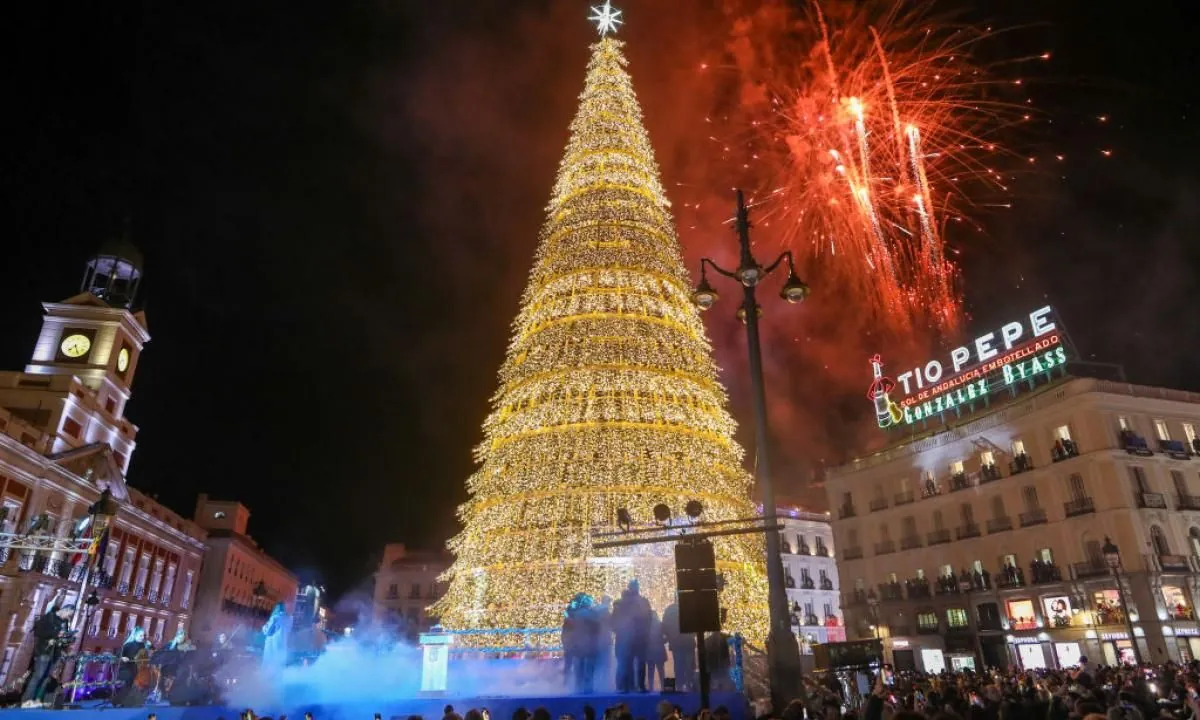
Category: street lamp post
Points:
column 783, row 652
column 102, row 512
column 1112, row 556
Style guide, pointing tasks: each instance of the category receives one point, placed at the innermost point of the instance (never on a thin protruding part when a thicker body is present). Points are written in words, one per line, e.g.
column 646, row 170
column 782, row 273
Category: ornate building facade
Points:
column 64, row 439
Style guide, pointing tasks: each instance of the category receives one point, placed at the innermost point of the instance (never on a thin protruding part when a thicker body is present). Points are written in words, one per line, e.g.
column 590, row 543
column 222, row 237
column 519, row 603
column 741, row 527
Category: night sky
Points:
column 339, row 202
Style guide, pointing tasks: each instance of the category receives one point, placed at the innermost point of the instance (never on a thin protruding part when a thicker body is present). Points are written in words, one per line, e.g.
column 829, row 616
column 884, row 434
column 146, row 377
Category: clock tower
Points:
column 78, row 380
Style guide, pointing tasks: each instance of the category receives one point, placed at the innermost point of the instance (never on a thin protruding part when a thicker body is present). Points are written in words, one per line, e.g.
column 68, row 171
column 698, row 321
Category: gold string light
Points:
column 609, row 398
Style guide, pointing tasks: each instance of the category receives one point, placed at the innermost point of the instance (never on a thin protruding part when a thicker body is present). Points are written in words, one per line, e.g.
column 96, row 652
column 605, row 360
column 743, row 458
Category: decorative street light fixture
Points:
column 783, row 652
column 1112, row 556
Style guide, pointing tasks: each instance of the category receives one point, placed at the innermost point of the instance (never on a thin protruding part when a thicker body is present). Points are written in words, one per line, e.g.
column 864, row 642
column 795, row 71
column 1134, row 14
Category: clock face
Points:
column 123, row 360
column 74, row 346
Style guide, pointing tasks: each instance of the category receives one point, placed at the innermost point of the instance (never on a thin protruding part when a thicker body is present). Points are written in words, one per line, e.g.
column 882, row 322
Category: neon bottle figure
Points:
column 887, row 413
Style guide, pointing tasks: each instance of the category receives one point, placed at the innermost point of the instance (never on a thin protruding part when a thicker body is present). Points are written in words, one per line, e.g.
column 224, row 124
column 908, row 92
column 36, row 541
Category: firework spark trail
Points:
column 870, row 125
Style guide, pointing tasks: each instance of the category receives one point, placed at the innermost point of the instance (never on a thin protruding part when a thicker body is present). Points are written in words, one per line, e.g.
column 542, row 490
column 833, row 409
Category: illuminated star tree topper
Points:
column 606, row 18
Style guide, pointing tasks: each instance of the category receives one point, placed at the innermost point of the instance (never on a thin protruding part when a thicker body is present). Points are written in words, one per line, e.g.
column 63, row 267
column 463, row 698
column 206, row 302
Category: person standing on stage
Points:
column 683, row 649
column 275, row 638
column 51, row 635
column 131, row 649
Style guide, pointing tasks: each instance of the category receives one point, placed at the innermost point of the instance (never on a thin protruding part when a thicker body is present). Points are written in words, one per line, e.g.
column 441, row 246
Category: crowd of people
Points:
column 624, row 644
column 1083, row 693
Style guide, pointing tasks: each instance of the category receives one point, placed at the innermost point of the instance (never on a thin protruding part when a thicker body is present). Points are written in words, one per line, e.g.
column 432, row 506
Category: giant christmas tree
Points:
column 608, row 399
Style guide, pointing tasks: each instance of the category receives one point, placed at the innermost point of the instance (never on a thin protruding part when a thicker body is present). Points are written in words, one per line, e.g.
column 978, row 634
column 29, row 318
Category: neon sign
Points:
column 1019, row 351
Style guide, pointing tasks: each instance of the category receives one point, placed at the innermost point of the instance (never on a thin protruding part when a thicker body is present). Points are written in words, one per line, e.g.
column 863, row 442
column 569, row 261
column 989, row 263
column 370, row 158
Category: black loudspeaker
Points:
column 699, row 611
column 695, row 566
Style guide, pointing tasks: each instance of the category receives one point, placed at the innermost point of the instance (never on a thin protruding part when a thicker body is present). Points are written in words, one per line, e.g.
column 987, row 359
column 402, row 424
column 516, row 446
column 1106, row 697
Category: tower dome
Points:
column 114, row 272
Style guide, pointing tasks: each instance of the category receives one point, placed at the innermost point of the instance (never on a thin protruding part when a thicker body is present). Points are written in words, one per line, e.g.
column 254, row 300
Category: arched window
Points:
column 1159, row 539
column 1194, row 540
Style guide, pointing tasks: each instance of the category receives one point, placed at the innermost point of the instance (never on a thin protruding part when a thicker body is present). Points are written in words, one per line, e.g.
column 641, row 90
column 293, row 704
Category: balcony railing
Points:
column 852, row 553
column 1135, row 444
column 1174, row 449
column 1064, row 449
column 911, row 542
column 1091, row 568
column 988, row 473
column 138, row 592
column 822, row 551
column 885, row 547
column 826, row 584
column 1188, row 502
column 1000, row 524
column 1080, row 506
column 959, row 481
column 967, row 530
column 846, row 511
column 152, row 597
column 937, row 537
column 806, row 583
column 903, row 498
column 123, row 588
column 1151, row 500
column 1045, row 573
column 1174, row 563
column 1033, row 517
column 1020, row 463
column 878, row 504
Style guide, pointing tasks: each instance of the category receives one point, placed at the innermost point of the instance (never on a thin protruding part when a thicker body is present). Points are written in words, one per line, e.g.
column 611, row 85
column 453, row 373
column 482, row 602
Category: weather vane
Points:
column 606, row 18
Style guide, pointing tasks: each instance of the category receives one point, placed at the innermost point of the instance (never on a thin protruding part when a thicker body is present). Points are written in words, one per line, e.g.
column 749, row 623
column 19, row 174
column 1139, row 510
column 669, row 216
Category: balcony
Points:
column 1134, row 444
column 930, row 489
column 1064, row 449
column 910, row 543
column 918, row 588
column 959, row 481
column 804, row 549
column 878, row 504
column 1033, row 517
column 1173, row 449
column 139, row 592
column 826, row 584
column 1045, row 573
column 858, row 598
column 152, row 597
column 822, row 551
column 1174, row 563
column 989, row 473
column 891, row 591
column 1091, row 569
column 967, row 530
column 852, row 553
column 886, row 547
column 1080, row 506
column 903, row 498
column 846, row 511
column 937, row 537
column 1001, row 524
column 1151, row 500
column 1020, row 463
column 806, row 583
column 123, row 588
column 1010, row 577
column 1188, row 502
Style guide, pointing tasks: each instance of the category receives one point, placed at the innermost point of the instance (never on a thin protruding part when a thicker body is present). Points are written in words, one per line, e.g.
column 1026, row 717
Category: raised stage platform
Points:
column 642, row 706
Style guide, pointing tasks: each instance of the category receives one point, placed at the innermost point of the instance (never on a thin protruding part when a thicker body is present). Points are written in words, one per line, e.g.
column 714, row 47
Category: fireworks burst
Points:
column 871, row 128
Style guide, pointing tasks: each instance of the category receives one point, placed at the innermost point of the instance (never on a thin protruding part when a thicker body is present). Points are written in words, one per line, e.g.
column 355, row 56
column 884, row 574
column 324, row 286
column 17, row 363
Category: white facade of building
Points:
column 811, row 575
column 985, row 539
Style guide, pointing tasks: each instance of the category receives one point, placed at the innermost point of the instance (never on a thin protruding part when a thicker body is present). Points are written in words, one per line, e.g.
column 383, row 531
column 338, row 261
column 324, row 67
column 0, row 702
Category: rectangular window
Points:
column 1018, row 447
column 1123, row 422
column 1160, row 427
column 169, row 584
column 1189, row 434
column 1075, row 485
column 1180, row 482
column 1030, row 497
column 852, row 537
column 910, row 526
column 415, row 590
column 1062, row 432
column 186, row 597
column 71, row 427
column 1138, row 476
column 823, row 575
column 828, row 610
column 986, row 458
column 1046, row 555
column 968, row 514
column 956, row 617
column 804, row 574
column 927, row 620
column 114, row 623
column 956, row 467
column 947, row 571
column 920, row 574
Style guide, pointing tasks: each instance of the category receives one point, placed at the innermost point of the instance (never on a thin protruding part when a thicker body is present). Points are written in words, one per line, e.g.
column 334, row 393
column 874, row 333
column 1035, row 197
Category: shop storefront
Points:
column 1031, row 651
